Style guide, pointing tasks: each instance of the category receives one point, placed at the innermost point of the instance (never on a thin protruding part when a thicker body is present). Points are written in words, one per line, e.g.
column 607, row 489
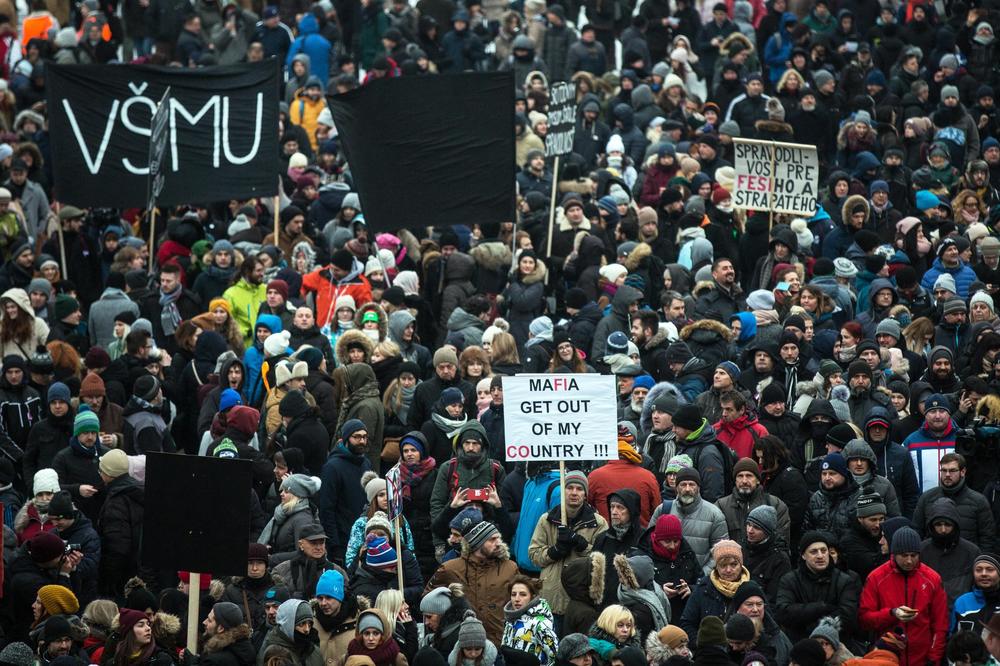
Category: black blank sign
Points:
column 197, row 515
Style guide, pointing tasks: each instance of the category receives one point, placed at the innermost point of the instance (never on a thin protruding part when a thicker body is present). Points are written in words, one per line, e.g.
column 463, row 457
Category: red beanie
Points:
column 668, row 527
column 206, row 579
column 720, row 194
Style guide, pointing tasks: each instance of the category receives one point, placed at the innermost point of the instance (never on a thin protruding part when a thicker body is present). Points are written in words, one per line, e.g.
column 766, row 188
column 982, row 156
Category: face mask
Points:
column 615, row 162
column 372, row 334
column 725, row 209
column 819, row 430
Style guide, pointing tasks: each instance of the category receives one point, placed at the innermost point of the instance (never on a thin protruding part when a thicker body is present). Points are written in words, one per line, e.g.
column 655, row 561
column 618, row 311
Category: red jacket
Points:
column 738, row 436
column 619, row 474
column 886, row 588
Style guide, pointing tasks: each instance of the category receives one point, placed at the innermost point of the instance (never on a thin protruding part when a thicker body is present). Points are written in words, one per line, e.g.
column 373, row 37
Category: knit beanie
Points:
column 747, row 589
column 45, row 481
column 58, row 600
column 807, row 652
column 480, row 534
column 870, row 505
column 905, row 540
column 114, row 463
column 672, row 636
column 85, row 421
column 579, row 478
column 984, row 298
column 772, row 393
column 889, row 327
column 740, row 628
column 727, row 548
column 92, row 386
column 379, row 554
column 688, row 474
column 466, row 519
column 764, row 517
column 835, row 462
column 730, row 369
column 679, row 462
column 331, row 584
column 57, row 391
column 746, row 465
column 829, row 630
column 292, row 405
column 711, row 632
column 688, row 417
column 859, row 368
column 45, row 547
column 471, row 634
column 437, row 601
column 445, row 355
column 227, row 614
column 668, row 527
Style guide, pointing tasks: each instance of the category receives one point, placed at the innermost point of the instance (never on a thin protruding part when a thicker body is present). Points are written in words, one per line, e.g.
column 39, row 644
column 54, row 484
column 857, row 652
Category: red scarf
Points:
column 412, row 475
column 383, row 655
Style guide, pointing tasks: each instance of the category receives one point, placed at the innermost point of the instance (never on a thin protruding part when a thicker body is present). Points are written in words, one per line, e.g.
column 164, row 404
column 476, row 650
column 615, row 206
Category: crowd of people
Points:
column 807, row 469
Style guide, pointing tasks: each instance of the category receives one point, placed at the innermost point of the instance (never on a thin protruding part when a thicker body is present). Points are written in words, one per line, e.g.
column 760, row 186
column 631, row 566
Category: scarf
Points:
column 847, row 353
column 765, row 317
column 658, row 604
column 412, row 475
column 728, row 588
column 384, row 654
column 862, row 479
column 406, row 395
column 225, row 274
column 666, row 553
column 81, row 450
column 170, row 316
column 280, row 516
column 627, row 453
column 449, row 427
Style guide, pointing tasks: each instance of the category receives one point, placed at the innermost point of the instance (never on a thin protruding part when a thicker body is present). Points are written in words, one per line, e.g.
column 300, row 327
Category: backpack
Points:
column 541, row 495
column 728, row 462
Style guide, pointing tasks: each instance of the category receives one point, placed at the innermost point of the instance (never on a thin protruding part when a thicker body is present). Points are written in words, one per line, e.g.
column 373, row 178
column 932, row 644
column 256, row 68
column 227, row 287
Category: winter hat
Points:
column 730, row 369
column 844, row 268
column 646, row 382
column 821, row 77
column 445, row 355
column 835, row 463
column 671, row 636
column 227, row 614
column 301, row 485
column 65, row 306
column 617, row 343
column 373, row 485
column 378, row 521
column 727, row 548
column 807, row 652
column 277, row 343
column 764, row 517
column 615, row 145
column 688, row 417
column 438, row 602
column 19, row 654
column 746, row 465
column 747, row 589
column 740, row 627
column 889, row 327
column 293, row 405
column 331, row 584
column 870, row 505
column 668, row 527
column 905, row 540
column 350, row 427
column 761, row 299
column 859, row 368
column 480, row 534
column 925, row 200
column 775, row 111
column 114, row 463
column 45, row 547
column 612, row 272
column 953, row 305
column 986, row 299
column 688, row 474
column 990, row 247
column 45, row 481
column 937, row 401
column 945, row 281
column 55, row 628
column 858, row 448
column 471, row 634
column 465, row 519
column 58, row 600
column 829, row 630
column 370, row 621
column 730, row 128
column 85, row 421
column 57, row 390
column 679, row 462
column 574, row 645
column 61, row 505
column 711, row 632
column 579, row 478
column 96, row 358
column 840, row 434
column 92, row 386
column 228, row 399
column 285, row 371
column 949, row 91
column 772, row 393
column 379, row 553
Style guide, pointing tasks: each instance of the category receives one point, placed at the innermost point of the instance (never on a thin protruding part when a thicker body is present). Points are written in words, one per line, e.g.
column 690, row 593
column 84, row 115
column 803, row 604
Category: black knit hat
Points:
column 688, row 417
column 343, row 259
column 807, row 652
column 746, row 590
column 773, row 392
column 576, row 298
column 679, row 352
column 840, row 434
column 811, row 537
column 859, row 368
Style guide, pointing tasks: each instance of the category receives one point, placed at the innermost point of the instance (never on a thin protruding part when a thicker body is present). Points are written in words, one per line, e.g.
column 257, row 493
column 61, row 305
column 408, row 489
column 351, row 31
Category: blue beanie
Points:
column 730, row 369
column 643, row 381
column 836, row 463
column 229, row 398
column 222, row 245
column 875, row 78
column 331, row 584
column 415, row 442
column 926, row 200
column 878, row 186
column 351, row 427
column 452, row 395
column 58, row 391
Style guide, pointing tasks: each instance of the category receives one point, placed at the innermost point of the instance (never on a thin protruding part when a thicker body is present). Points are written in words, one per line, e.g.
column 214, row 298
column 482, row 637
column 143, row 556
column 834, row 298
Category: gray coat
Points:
column 101, row 321
column 702, row 525
column 35, row 205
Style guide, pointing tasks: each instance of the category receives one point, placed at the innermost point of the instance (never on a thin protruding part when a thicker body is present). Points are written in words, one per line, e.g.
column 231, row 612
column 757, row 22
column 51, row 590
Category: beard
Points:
column 636, row 406
column 858, row 391
column 686, row 500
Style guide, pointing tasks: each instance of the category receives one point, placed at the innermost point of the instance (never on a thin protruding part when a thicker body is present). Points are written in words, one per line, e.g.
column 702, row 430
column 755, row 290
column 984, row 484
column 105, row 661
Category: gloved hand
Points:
column 580, row 543
column 439, row 552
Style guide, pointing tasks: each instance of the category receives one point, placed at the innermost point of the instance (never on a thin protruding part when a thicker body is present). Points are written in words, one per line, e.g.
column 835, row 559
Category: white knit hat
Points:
column 277, row 343
column 612, row 272
column 285, row 371
column 983, row 297
column 46, row 481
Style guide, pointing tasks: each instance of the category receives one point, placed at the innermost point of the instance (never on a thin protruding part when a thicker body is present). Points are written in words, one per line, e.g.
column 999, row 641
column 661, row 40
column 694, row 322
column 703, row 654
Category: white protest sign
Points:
column 560, row 417
column 778, row 177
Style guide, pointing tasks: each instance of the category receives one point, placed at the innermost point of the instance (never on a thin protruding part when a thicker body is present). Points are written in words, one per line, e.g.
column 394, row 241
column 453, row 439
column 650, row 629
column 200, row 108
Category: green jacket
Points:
column 245, row 300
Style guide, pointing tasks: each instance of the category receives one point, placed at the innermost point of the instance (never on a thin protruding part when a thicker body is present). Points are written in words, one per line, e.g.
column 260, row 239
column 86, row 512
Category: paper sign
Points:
column 778, row 177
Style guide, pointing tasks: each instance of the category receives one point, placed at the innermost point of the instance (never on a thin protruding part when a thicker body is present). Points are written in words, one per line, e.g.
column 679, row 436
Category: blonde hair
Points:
column 390, row 602
column 387, row 349
column 916, row 334
column 612, row 615
column 504, row 349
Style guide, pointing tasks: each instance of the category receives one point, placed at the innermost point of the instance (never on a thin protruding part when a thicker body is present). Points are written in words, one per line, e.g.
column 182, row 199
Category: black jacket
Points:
column 309, row 435
column 47, row 438
column 427, row 394
column 76, row 469
column 82, row 533
column 120, row 527
column 862, row 551
column 232, row 647
column 805, row 596
column 23, row 579
column 767, row 564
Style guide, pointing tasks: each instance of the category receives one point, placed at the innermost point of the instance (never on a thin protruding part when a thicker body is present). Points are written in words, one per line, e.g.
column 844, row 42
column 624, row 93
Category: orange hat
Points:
column 220, row 303
column 92, row 386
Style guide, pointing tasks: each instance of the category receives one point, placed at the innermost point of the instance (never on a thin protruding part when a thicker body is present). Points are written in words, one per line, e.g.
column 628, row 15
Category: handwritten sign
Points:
column 778, row 177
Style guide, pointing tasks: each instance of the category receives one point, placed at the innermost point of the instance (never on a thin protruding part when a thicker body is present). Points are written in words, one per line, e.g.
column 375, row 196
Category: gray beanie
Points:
column 905, row 540
column 730, row 127
column 437, row 601
column 570, row 647
column 945, row 281
column 17, row 654
column 949, row 91
column 764, row 517
column 227, row 614
column 889, row 327
column 642, row 567
column 829, row 630
column 870, row 505
column 978, row 297
column 821, row 77
column 42, row 286
column 471, row 634
column 370, row 621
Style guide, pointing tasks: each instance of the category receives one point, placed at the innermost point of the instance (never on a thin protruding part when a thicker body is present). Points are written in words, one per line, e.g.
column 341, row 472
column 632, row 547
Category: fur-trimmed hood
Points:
column 383, row 318
column 636, row 256
column 707, row 325
column 166, row 627
column 733, row 38
column 583, row 578
column 227, row 638
column 493, row 256
column 702, row 287
column 535, row 276
column 349, row 337
column 626, row 575
column 658, row 652
column 850, row 203
column 774, row 126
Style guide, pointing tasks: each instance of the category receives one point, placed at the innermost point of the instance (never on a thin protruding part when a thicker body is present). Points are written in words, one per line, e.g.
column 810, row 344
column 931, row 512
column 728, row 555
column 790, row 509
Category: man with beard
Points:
column 686, row 370
column 988, row 268
column 483, row 569
column 949, row 262
column 738, row 428
column 862, row 464
column 659, row 446
column 626, row 472
column 622, row 536
column 652, row 343
column 863, row 546
column 953, row 329
column 446, row 375
column 695, row 437
column 831, row 508
column 983, row 601
column 765, row 559
column 931, row 443
column 226, row 640
column 864, row 396
column 336, row 614
column 940, row 372
column 977, row 179
column 774, row 416
column 792, row 368
column 554, row 545
column 945, row 551
column 747, row 495
column 56, row 640
column 341, row 496
column 702, row 523
column 974, row 518
column 293, row 630
column 956, row 123
column 761, row 375
column 167, row 307
column 251, row 590
column 303, row 569
column 815, row 589
column 212, row 282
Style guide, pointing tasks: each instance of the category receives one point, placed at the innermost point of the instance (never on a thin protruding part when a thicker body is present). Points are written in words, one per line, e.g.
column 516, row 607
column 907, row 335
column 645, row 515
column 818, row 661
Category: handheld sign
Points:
column 776, row 177
column 560, row 417
column 561, row 120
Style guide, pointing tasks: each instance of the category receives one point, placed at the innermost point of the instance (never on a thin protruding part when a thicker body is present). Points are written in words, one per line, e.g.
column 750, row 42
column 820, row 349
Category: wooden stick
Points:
column 399, row 554
column 152, row 236
column 552, row 216
column 277, row 217
column 562, row 491
column 194, row 596
column 62, row 244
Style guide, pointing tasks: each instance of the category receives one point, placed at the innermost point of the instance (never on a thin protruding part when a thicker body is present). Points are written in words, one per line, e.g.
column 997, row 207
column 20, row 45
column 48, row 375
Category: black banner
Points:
column 434, row 150
column 221, row 133
column 562, row 120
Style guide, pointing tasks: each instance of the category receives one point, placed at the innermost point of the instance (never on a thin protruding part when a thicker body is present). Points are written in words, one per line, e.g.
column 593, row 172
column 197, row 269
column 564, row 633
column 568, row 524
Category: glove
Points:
column 580, row 543
column 564, row 537
column 556, row 553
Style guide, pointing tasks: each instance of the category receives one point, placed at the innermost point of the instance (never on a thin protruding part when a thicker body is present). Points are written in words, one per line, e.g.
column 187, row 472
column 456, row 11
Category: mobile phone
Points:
column 477, row 494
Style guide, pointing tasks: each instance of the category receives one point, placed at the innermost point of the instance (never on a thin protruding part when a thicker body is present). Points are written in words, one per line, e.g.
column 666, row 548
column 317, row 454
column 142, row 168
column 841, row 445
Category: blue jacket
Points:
column 895, row 464
column 778, row 49
column 964, row 277
column 341, row 497
column 926, row 450
column 253, row 359
column 314, row 45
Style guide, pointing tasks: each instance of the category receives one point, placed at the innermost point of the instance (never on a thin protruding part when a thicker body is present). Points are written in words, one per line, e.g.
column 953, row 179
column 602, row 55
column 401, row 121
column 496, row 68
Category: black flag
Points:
column 434, row 150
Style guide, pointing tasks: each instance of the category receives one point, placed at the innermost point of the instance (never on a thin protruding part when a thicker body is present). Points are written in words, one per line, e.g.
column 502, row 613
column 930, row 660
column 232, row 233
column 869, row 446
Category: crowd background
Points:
column 809, row 407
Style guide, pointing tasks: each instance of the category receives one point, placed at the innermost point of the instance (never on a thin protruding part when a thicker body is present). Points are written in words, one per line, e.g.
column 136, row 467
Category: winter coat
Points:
column 974, row 517
column 767, row 563
column 469, row 326
column 427, row 394
column 244, row 303
column 327, row 290
column 231, row 647
column 963, row 274
column 39, row 331
column 308, row 434
column 120, row 527
column 279, row 635
column 583, row 580
column 362, row 402
column 889, row 587
column 368, row 581
column 789, row 486
column 76, row 469
column 926, row 449
column 616, row 320
column 896, row 465
column 487, row 472
column 805, row 596
column 528, row 633
column 832, row 510
column 284, row 535
column 617, row 474
column 740, row 435
column 705, row 600
column 188, row 306
column 702, row 524
column 736, row 508
column 862, row 551
column 683, row 567
column 588, row 524
column 341, row 497
column 524, row 300
column 951, row 556
column 47, row 438
column 101, row 318
column 458, row 286
column 144, row 430
column 704, row 450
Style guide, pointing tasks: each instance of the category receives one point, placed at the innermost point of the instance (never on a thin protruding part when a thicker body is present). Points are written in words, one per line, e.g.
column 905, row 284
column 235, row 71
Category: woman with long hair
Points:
column 474, row 363
column 818, row 306
column 20, row 330
column 566, row 357
column 919, row 335
column 528, row 636
column 295, row 511
column 414, row 475
column 398, row 398
column 504, row 359
column 968, row 208
column 524, row 298
column 219, row 318
column 401, row 625
column 134, row 643
column 911, row 240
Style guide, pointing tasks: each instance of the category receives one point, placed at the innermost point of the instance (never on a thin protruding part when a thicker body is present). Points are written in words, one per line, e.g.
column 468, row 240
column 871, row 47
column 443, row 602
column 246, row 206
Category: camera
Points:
column 980, row 440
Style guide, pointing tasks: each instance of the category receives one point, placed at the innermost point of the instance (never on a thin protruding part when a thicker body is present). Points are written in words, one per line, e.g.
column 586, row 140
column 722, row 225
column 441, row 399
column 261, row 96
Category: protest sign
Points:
column 776, row 177
column 560, row 417
column 561, row 120
column 430, row 150
column 220, row 136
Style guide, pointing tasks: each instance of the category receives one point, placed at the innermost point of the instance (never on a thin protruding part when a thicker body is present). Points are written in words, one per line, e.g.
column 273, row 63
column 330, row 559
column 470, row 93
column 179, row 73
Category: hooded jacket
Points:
column 894, row 463
column 583, row 580
column 616, row 320
column 950, row 555
column 588, row 524
column 283, row 635
column 963, row 274
column 39, row 330
column 971, row 512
